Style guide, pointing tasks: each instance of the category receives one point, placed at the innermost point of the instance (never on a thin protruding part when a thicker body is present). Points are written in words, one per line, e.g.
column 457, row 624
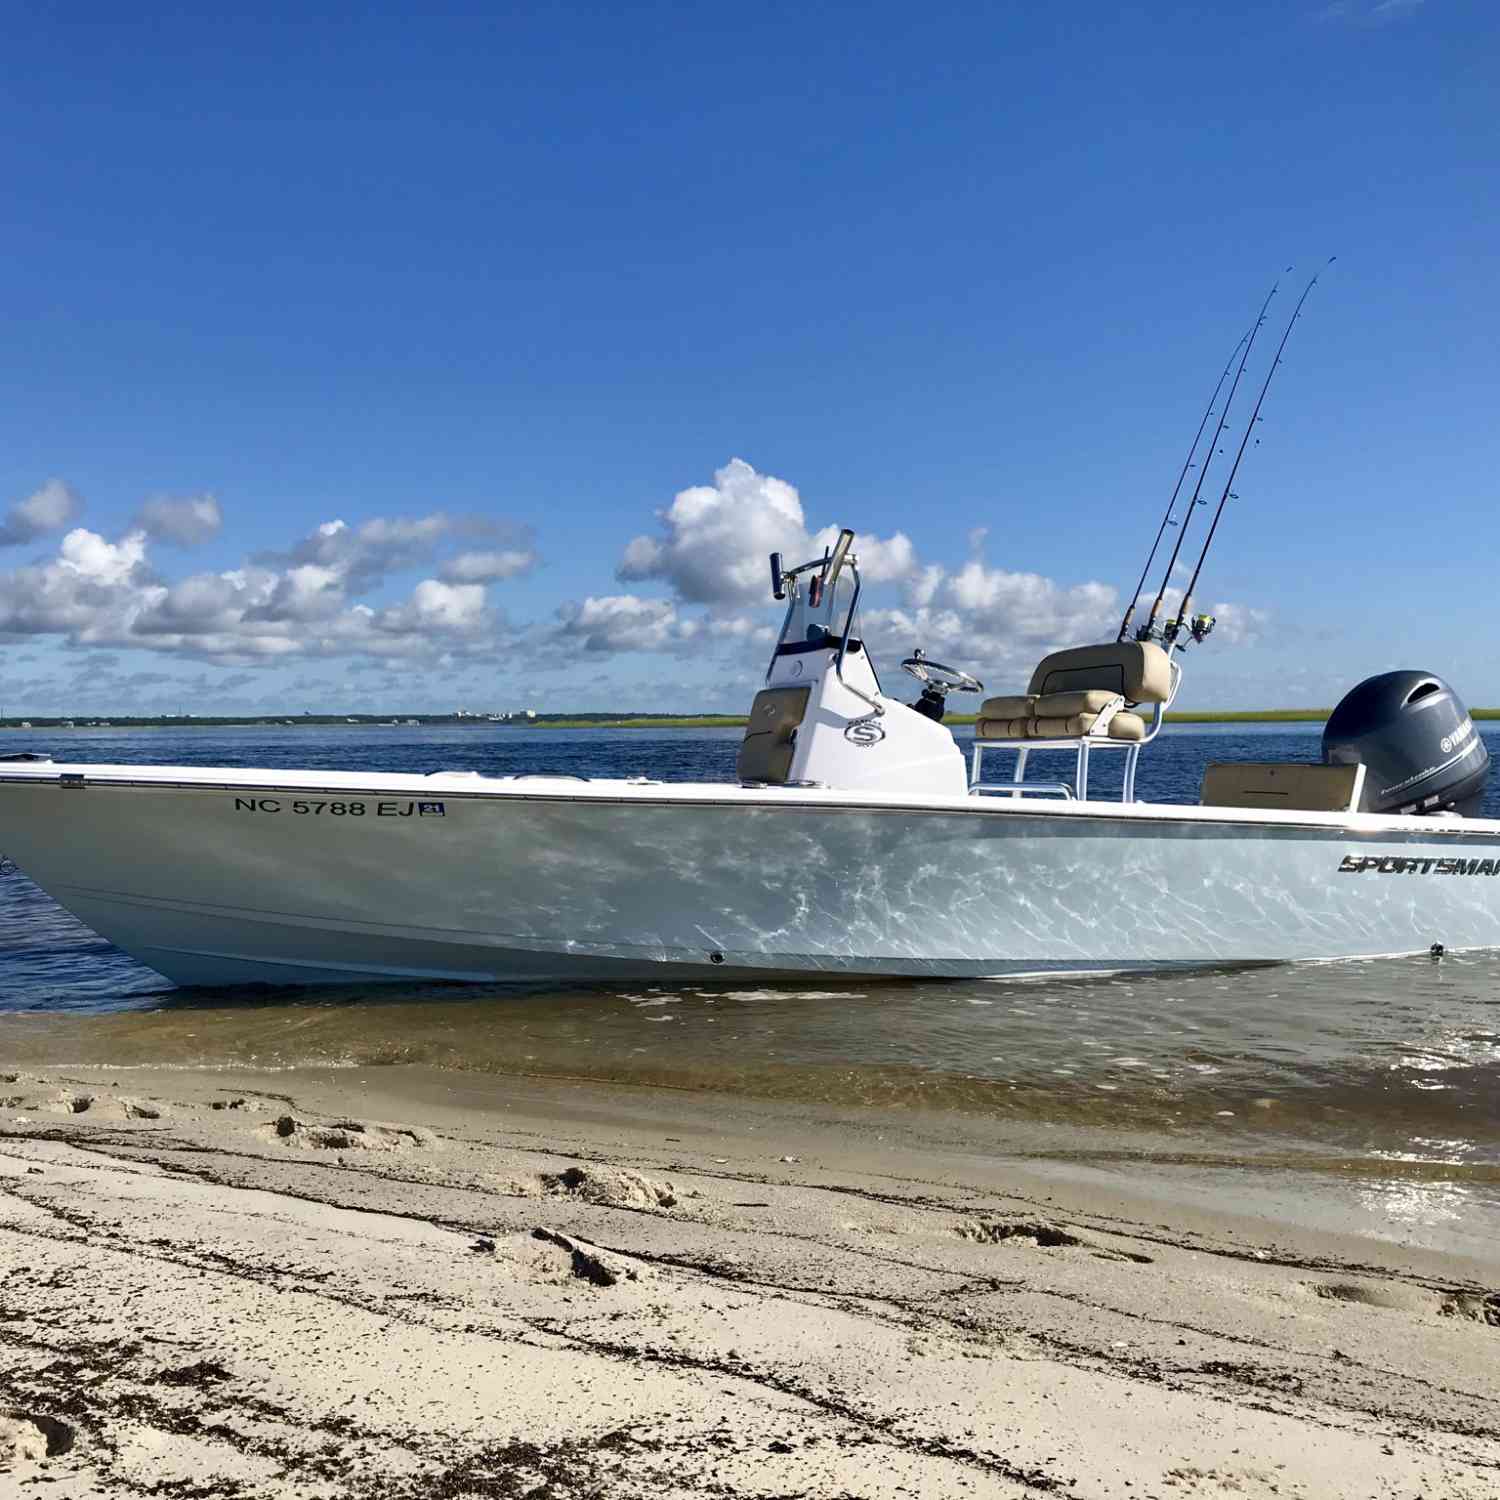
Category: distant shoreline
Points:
column 591, row 721
column 733, row 721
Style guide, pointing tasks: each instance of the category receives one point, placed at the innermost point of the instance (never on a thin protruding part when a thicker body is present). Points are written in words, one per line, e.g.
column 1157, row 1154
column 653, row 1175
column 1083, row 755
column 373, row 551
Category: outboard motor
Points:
column 1418, row 745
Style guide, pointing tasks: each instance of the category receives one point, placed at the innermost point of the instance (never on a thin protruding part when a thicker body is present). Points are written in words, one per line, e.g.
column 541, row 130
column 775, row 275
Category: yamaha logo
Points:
column 1460, row 736
column 864, row 733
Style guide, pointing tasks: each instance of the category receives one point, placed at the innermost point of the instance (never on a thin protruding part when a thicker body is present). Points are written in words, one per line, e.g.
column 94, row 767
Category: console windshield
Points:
column 824, row 623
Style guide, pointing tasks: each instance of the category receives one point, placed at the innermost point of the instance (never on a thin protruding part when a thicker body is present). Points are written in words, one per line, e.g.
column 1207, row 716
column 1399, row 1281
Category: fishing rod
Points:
column 1166, row 519
column 1147, row 632
column 1175, row 628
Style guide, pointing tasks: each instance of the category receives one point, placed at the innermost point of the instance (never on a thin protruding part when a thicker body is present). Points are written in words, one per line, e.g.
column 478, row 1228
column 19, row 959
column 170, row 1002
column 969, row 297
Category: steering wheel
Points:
column 936, row 675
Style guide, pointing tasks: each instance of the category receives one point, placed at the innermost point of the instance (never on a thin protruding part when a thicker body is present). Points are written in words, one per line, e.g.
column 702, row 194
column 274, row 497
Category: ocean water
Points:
column 1379, row 1078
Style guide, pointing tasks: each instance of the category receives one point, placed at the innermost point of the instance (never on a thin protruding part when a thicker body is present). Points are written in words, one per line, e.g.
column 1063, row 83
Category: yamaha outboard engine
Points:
column 1418, row 745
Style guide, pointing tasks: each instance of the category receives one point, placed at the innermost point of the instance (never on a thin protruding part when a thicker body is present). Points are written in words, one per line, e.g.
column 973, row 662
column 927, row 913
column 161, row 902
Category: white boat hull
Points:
column 216, row 877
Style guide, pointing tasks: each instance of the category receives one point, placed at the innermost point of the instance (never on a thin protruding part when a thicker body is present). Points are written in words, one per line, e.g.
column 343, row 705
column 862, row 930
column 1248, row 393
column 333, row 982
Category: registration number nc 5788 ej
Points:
column 306, row 807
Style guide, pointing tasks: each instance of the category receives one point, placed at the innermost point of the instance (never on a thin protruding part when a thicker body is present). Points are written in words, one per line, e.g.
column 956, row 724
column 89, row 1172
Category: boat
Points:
column 859, row 839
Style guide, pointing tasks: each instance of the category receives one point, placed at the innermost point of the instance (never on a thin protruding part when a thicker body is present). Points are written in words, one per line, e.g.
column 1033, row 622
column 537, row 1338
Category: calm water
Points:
column 1385, row 1074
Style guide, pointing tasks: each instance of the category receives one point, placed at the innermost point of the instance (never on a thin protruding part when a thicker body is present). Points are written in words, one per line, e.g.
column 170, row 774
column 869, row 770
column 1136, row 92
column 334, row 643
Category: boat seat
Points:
column 1305, row 788
column 1123, row 726
column 1002, row 729
column 1082, row 699
column 1070, row 689
column 1018, row 706
column 771, row 734
column 1058, row 716
column 1138, row 671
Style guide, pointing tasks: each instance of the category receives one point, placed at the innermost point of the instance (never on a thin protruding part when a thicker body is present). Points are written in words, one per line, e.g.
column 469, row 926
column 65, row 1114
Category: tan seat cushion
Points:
column 1065, row 705
column 766, row 751
column 1307, row 788
column 1019, row 706
column 1002, row 729
column 1138, row 670
column 1124, row 726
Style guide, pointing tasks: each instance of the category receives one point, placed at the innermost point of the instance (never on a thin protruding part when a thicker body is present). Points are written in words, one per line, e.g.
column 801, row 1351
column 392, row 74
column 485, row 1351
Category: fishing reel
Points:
column 1199, row 628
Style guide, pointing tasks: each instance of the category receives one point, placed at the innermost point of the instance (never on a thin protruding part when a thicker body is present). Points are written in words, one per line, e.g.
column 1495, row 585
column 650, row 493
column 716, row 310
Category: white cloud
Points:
column 85, row 593
column 435, row 605
column 488, row 567
column 644, row 557
column 712, row 552
column 1000, row 624
column 923, row 585
column 307, row 592
column 186, row 520
column 95, row 591
column 892, row 634
column 624, row 622
column 48, row 509
column 204, row 604
column 362, row 556
column 716, row 539
column 881, row 560
column 331, row 595
column 87, row 554
column 1239, row 624
column 1367, row 12
column 1026, row 608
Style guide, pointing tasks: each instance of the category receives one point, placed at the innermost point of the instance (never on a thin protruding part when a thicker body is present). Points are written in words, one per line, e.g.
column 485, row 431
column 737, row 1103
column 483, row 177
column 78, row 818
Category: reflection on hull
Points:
column 195, row 946
column 214, row 877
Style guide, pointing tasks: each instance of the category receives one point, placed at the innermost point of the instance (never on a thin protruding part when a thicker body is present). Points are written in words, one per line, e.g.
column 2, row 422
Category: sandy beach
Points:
column 399, row 1282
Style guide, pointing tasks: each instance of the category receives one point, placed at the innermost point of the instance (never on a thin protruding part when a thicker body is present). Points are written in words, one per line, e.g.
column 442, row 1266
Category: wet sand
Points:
column 402, row 1282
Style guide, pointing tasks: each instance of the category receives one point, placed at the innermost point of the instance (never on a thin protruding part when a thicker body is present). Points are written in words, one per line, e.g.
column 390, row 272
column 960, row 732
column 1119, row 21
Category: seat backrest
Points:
column 1139, row 671
column 766, row 751
column 1305, row 788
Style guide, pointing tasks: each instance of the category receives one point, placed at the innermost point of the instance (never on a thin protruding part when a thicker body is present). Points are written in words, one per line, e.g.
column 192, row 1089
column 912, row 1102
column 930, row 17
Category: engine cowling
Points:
column 1419, row 747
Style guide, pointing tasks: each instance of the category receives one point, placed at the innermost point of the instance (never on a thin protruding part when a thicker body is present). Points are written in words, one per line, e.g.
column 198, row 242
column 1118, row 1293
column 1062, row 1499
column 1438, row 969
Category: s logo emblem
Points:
column 864, row 733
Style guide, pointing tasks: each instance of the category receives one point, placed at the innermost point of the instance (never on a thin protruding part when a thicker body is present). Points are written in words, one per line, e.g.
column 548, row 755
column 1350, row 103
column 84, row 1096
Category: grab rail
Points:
column 1022, row 789
column 877, row 709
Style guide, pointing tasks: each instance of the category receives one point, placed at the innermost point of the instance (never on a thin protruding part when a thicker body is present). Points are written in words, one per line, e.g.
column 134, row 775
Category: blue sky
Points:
column 493, row 289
